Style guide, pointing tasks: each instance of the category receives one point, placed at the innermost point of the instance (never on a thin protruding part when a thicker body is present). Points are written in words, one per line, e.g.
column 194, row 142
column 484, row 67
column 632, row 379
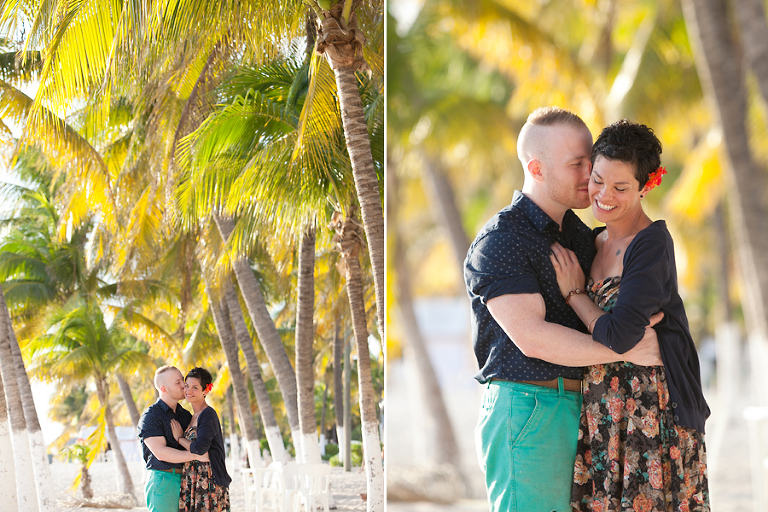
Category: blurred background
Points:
column 462, row 76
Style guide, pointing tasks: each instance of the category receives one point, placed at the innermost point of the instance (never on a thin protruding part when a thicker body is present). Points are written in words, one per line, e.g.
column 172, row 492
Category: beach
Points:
column 345, row 487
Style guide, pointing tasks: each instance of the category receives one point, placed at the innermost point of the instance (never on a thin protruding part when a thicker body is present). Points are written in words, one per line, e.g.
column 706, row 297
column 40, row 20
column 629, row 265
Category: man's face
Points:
column 173, row 382
column 567, row 166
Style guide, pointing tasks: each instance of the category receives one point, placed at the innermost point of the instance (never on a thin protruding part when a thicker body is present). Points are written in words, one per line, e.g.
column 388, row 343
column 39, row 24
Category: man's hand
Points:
column 203, row 458
column 647, row 353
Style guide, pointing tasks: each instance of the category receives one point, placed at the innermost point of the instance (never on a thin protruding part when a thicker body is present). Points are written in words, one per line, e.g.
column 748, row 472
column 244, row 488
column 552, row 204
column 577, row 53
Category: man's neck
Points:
column 555, row 211
column 170, row 402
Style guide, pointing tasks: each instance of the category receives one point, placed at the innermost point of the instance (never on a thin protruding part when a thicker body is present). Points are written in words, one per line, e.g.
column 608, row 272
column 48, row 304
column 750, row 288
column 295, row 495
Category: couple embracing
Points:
column 593, row 396
column 184, row 451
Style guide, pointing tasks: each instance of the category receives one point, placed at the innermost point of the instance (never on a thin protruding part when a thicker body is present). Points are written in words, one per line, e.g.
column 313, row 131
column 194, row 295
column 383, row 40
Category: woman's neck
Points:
column 628, row 227
column 199, row 406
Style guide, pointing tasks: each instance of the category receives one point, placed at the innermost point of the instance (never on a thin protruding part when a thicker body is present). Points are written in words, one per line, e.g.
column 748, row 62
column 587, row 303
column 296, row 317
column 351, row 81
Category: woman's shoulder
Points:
column 210, row 414
column 654, row 239
column 655, row 231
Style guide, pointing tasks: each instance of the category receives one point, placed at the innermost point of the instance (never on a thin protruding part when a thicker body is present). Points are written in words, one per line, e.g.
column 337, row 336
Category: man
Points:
column 163, row 454
column 526, row 338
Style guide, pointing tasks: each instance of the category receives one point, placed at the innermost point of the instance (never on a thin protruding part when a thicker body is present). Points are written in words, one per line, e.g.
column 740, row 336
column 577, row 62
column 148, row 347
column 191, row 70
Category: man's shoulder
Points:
column 510, row 221
column 152, row 410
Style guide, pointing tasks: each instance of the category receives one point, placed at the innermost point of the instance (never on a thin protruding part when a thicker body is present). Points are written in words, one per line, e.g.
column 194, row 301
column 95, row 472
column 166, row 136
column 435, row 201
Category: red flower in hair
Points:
column 654, row 178
column 208, row 388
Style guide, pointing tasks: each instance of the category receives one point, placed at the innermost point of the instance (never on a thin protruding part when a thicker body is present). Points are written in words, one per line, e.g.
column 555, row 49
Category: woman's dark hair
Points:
column 631, row 143
column 201, row 374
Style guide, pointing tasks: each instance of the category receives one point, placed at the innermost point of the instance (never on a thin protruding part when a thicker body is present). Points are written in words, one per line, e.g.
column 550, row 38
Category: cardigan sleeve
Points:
column 206, row 431
column 644, row 290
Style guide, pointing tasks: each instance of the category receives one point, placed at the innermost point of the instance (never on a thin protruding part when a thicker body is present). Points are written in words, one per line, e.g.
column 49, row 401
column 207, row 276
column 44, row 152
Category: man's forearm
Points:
column 563, row 346
column 172, row 455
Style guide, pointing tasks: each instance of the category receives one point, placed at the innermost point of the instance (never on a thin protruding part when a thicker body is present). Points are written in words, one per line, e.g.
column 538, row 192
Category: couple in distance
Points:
column 184, row 451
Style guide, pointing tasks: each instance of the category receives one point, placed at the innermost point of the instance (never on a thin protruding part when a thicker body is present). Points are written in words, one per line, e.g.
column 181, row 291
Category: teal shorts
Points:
column 526, row 445
column 162, row 491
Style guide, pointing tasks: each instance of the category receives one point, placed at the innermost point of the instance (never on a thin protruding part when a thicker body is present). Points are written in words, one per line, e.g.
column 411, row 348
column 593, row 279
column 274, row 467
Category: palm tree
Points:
column 341, row 42
column 25, row 491
column 272, row 430
column 291, row 158
column 81, row 347
column 349, row 242
column 719, row 63
column 7, row 467
column 221, row 317
column 305, row 335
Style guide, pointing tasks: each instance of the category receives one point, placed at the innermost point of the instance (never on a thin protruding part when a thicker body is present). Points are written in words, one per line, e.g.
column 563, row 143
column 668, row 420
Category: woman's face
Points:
column 613, row 190
column 193, row 390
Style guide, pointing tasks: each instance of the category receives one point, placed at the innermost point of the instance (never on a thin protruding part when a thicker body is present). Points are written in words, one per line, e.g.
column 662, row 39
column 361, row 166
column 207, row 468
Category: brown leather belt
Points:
column 172, row 470
column 568, row 384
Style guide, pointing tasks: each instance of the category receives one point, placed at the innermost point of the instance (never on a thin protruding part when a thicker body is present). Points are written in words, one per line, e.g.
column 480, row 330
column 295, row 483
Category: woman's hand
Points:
column 177, row 430
column 568, row 270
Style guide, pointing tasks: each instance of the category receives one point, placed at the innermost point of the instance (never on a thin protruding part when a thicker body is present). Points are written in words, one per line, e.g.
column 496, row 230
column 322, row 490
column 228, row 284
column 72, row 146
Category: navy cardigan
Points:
column 210, row 439
column 649, row 284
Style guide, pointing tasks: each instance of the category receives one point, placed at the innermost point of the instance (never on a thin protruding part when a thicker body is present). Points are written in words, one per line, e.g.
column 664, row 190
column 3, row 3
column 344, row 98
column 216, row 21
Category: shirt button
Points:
column 674, row 405
column 677, row 418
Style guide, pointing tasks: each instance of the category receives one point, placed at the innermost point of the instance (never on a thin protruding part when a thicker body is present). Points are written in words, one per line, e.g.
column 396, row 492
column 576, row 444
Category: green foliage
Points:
column 77, row 452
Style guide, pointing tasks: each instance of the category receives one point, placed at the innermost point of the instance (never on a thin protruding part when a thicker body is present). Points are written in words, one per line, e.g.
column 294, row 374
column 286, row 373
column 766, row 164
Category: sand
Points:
column 345, row 487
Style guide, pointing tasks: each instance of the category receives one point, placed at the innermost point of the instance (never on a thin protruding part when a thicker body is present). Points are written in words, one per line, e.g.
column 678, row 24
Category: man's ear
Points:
column 535, row 170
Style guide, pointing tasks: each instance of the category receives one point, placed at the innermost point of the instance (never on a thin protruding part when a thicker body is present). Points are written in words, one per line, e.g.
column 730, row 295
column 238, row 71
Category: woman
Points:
column 204, row 485
column 641, row 444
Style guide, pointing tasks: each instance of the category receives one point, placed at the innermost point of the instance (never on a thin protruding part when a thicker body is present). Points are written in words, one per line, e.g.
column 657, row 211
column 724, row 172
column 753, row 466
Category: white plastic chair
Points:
column 290, row 485
column 259, row 483
column 314, row 488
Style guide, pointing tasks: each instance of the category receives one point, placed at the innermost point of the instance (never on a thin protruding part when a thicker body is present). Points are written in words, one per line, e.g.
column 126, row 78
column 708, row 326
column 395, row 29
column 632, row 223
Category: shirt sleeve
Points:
column 499, row 264
column 644, row 290
column 207, row 424
column 150, row 425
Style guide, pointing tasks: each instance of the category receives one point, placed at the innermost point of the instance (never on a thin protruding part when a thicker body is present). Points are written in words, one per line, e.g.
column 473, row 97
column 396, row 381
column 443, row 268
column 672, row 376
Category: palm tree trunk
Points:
column 125, row 483
column 348, row 243
column 31, row 426
column 370, row 422
column 323, row 437
column 366, row 181
column 305, row 334
column 719, row 65
column 266, row 331
column 130, row 404
column 447, row 448
column 234, row 445
column 340, row 41
column 444, row 207
column 271, row 429
column 754, row 30
column 229, row 344
column 338, row 387
column 9, row 503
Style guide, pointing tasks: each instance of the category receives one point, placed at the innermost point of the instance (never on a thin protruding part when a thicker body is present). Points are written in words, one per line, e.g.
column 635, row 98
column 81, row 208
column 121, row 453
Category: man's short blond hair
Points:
column 162, row 370
column 532, row 143
column 550, row 116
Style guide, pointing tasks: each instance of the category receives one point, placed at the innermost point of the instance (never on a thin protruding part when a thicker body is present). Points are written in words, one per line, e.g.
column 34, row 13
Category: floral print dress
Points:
column 199, row 493
column 631, row 455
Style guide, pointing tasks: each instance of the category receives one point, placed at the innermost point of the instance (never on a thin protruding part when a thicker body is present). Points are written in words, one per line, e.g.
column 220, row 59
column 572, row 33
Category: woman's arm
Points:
column 644, row 291
column 646, row 288
column 206, row 431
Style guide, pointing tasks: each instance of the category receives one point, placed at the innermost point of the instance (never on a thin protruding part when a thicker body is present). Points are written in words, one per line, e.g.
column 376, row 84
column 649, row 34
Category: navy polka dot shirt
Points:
column 511, row 255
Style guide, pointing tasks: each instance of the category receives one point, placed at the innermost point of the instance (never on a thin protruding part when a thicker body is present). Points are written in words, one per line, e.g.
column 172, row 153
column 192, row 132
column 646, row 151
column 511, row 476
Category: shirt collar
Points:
column 165, row 406
column 535, row 214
